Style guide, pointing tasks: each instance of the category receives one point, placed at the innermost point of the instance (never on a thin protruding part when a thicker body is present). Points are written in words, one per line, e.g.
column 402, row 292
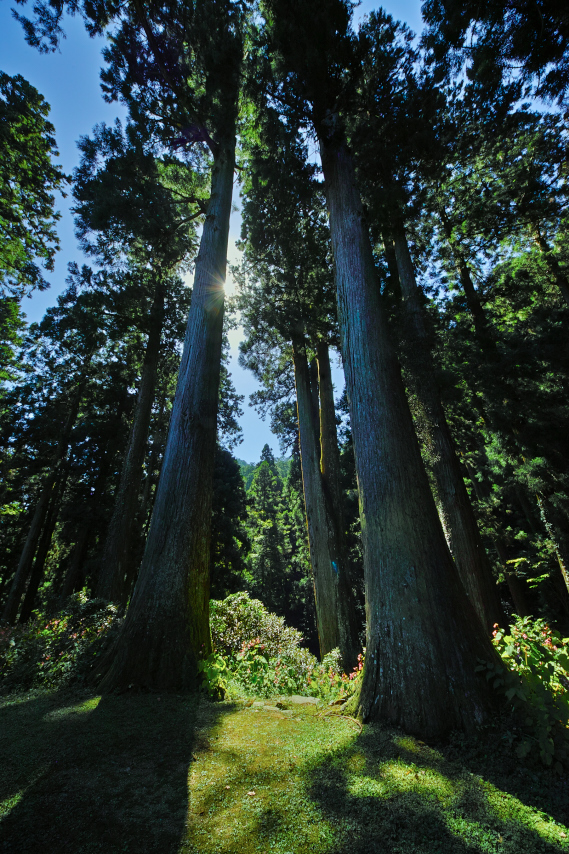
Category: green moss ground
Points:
column 176, row 775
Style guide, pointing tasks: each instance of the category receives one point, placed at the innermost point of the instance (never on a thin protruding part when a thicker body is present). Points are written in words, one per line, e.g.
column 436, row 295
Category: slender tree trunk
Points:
column 26, row 559
column 116, row 551
column 515, row 585
column 424, row 639
column 325, row 589
column 348, row 623
column 314, row 401
column 167, row 624
column 43, row 547
column 74, row 574
column 38, row 520
column 557, row 531
column 483, row 333
column 455, row 510
column 560, row 276
column 394, row 283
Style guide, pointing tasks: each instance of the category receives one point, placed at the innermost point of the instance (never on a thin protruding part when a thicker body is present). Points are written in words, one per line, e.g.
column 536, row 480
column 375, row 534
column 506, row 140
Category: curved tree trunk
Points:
column 325, row 589
column 455, row 510
column 557, row 530
column 116, row 551
column 167, row 624
column 348, row 623
column 424, row 639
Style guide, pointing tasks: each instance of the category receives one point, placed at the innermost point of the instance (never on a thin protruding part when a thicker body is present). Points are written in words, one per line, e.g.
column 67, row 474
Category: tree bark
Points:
column 424, row 639
column 348, row 623
column 325, row 589
column 167, row 624
column 116, row 551
column 453, row 503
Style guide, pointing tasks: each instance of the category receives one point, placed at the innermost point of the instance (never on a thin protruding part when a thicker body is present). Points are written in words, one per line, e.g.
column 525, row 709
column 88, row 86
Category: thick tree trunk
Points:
column 325, row 588
column 455, row 510
column 315, row 401
column 348, row 623
column 116, row 552
column 424, row 639
column 43, row 547
column 167, row 624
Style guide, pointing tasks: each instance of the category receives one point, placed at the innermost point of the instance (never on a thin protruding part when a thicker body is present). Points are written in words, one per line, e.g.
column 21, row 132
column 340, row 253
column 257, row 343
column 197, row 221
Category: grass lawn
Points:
column 181, row 775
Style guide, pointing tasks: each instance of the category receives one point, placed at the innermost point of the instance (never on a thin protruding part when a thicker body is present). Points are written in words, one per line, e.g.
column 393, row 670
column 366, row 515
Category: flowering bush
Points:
column 238, row 620
column 56, row 650
column 264, row 656
column 536, row 682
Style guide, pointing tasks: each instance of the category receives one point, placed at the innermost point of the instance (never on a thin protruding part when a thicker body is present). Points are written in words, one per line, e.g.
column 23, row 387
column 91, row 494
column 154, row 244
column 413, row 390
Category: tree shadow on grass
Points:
column 390, row 794
column 81, row 773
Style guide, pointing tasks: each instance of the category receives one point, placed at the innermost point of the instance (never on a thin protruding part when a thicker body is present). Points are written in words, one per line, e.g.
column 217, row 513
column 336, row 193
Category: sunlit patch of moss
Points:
column 356, row 763
column 78, row 709
column 7, row 805
column 402, row 777
column 248, row 788
column 510, row 809
column 408, row 743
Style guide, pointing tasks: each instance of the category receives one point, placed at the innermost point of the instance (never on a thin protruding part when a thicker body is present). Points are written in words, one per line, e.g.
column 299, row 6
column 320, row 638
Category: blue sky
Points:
column 69, row 81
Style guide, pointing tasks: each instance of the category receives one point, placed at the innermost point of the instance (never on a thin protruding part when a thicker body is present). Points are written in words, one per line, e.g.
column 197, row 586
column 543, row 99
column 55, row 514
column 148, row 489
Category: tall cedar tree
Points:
column 397, row 116
column 423, row 637
column 132, row 203
column 181, row 63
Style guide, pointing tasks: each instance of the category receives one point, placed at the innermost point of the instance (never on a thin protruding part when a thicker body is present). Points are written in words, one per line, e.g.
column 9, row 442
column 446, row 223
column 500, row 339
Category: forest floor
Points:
column 182, row 775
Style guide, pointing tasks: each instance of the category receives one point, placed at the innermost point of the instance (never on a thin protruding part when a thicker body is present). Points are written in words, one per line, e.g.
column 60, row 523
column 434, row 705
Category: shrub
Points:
column 536, row 683
column 53, row 651
column 237, row 620
column 264, row 656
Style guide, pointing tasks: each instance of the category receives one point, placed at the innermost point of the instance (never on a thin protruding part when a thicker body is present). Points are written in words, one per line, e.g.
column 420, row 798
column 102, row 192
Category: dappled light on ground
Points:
column 181, row 775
